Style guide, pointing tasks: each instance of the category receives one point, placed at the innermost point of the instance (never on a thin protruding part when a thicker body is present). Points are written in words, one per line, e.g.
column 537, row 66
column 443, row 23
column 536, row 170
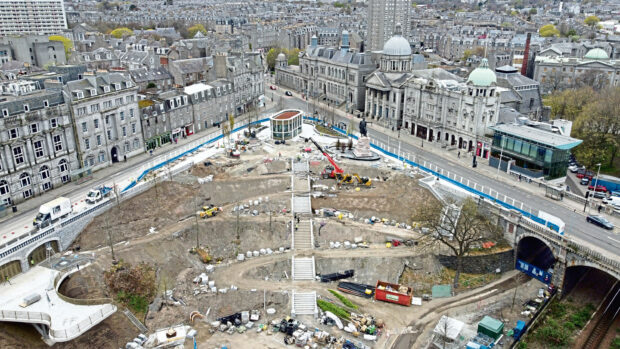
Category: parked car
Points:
column 272, row 87
column 613, row 200
column 584, row 181
column 585, row 173
column 288, row 93
column 574, row 168
column 600, row 221
column 599, row 195
column 598, row 188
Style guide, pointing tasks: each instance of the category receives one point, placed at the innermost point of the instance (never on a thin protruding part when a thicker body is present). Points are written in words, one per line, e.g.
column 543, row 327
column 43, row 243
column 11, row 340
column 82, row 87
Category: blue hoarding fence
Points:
column 533, row 271
column 164, row 163
column 526, row 214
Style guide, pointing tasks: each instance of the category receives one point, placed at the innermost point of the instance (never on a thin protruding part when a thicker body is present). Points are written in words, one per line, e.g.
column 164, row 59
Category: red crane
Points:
column 333, row 171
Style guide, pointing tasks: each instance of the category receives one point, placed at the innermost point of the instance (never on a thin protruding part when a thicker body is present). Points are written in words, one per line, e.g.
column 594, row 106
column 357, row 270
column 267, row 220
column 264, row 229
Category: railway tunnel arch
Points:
column 535, row 251
column 42, row 251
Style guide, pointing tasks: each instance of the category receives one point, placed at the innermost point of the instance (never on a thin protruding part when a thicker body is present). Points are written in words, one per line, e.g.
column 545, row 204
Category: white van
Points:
column 52, row 211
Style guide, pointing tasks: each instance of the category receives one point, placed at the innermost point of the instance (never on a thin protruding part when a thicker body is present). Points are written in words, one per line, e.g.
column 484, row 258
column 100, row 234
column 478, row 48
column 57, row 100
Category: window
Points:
column 46, row 103
column 46, row 186
column 63, row 166
column 24, row 180
column 122, row 115
column 44, row 172
column 18, row 155
column 107, row 104
column 98, row 140
column 127, row 149
column 133, row 128
column 84, row 127
column 101, row 157
column 119, row 101
column 13, row 133
column 5, row 112
column 109, row 135
column 94, row 108
column 106, row 89
column 124, row 131
column 38, row 148
column 26, row 107
column 86, row 143
column 53, row 123
column 34, row 128
column 136, row 143
column 81, row 111
column 131, row 113
column 96, row 122
column 27, row 193
column 4, row 187
column 57, row 142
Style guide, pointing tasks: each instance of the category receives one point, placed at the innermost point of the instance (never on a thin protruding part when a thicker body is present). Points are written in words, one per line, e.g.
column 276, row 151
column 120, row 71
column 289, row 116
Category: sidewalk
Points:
column 100, row 176
column 465, row 160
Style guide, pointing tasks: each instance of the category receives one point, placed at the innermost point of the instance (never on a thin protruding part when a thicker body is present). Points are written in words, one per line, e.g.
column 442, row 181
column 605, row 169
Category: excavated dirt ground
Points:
column 170, row 208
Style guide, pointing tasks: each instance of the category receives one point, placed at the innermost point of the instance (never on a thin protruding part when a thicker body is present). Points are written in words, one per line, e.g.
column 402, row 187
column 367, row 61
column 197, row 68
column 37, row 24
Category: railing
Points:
column 93, row 301
column 25, row 316
column 79, row 328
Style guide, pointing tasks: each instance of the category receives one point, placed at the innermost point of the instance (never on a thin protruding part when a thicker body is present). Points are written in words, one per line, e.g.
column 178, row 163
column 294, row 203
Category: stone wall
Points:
column 481, row 264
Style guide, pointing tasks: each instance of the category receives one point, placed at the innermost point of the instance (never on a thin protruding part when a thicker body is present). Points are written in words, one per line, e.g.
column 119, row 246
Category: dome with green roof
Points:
column 483, row 75
column 596, row 53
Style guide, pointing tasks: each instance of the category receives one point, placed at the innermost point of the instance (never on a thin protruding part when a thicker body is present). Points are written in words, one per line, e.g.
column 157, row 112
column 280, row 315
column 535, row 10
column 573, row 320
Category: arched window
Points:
column 4, row 187
column 44, row 172
column 63, row 166
column 24, row 179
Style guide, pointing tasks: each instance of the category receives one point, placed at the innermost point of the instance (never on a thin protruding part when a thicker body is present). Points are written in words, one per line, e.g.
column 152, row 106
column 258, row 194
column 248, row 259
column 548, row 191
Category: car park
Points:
column 600, row 221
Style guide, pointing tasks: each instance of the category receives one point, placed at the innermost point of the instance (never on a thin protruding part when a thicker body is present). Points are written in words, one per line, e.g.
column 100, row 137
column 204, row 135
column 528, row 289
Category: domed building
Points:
column 385, row 87
column 556, row 70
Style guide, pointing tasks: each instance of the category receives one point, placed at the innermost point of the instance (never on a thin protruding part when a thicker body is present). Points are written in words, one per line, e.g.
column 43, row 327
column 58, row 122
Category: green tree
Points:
column 533, row 11
column 548, row 30
column 591, row 21
column 569, row 104
column 195, row 29
column 272, row 54
column 68, row 44
column 121, row 32
column 293, row 56
column 571, row 32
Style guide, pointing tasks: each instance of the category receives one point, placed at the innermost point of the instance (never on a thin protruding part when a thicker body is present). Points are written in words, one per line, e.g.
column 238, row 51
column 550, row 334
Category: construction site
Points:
column 277, row 244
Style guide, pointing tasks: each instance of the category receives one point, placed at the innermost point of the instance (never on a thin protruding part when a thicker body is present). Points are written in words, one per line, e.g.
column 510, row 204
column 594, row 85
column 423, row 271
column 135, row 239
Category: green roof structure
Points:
column 483, row 75
column 491, row 327
column 597, row 54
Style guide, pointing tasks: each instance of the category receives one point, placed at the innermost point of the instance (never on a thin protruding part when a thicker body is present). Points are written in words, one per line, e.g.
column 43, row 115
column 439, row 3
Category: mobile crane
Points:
column 334, row 171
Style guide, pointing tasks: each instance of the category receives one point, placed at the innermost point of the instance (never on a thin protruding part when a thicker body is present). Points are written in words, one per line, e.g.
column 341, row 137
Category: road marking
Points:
column 610, row 238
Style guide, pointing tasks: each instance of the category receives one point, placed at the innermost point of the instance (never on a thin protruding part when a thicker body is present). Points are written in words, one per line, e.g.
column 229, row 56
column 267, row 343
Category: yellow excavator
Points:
column 363, row 181
column 210, row 211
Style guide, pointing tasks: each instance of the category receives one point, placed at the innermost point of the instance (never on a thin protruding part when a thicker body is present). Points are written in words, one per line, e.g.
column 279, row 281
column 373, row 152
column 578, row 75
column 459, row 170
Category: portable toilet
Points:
column 491, row 327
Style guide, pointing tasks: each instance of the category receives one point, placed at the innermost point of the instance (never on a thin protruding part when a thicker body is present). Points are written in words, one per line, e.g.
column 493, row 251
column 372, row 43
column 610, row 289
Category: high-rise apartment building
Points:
column 383, row 15
column 32, row 17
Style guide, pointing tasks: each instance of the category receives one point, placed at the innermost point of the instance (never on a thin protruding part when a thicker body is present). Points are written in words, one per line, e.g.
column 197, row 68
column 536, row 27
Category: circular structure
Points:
column 397, row 45
column 286, row 124
column 483, row 75
column 281, row 57
column 597, row 54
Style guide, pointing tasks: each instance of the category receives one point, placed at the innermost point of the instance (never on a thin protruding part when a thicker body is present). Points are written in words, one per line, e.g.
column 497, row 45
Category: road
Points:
column 576, row 226
column 21, row 223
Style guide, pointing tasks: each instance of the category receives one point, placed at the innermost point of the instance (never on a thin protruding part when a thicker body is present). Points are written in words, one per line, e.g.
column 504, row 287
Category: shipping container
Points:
column 393, row 293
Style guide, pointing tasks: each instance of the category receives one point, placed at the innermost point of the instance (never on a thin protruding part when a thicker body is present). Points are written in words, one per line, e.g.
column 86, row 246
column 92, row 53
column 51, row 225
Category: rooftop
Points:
column 537, row 135
column 286, row 114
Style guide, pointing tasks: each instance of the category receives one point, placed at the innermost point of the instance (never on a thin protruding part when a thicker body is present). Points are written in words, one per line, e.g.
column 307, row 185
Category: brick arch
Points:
column 581, row 262
column 39, row 244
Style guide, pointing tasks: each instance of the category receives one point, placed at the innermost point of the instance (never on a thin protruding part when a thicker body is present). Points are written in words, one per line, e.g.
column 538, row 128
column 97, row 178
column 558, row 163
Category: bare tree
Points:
column 459, row 228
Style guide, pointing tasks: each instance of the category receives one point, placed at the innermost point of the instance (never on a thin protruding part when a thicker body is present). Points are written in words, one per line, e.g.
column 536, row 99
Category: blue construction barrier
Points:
column 458, row 184
column 158, row 166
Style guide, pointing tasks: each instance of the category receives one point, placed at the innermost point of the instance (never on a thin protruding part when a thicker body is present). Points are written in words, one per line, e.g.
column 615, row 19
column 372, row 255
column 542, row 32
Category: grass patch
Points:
column 136, row 303
column 327, row 131
column 561, row 322
column 333, row 308
column 422, row 282
column 343, row 299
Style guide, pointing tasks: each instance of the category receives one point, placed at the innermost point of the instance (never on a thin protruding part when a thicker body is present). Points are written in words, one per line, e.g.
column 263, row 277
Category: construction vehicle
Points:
column 52, row 211
column 97, row 194
column 210, row 211
column 333, row 171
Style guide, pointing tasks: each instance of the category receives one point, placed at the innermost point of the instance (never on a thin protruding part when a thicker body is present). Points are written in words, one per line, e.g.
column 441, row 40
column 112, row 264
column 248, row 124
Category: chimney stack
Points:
column 526, row 55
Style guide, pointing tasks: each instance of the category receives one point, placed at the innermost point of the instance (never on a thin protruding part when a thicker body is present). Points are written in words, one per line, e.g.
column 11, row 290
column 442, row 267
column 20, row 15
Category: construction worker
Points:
column 296, row 226
column 7, row 280
column 32, row 262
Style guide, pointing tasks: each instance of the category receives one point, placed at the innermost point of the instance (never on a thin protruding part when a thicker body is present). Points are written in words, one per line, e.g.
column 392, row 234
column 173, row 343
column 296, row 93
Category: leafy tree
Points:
column 459, row 232
column 121, row 32
column 195, row 29
column 571, row 32
column 533, row 11
column 272, row 54
column 591, row 21
column 548, row 30
column 68, row 44
column 569, row 104
column 293, row 56
column 151, row 85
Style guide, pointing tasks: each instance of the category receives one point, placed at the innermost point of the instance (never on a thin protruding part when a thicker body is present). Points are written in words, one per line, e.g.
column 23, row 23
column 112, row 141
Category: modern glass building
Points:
column 286, row 124
column 531, row 151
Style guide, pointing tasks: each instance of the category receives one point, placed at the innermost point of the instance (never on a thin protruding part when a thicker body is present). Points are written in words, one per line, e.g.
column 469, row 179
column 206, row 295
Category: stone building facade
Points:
column 106, row 119
column 37, row 150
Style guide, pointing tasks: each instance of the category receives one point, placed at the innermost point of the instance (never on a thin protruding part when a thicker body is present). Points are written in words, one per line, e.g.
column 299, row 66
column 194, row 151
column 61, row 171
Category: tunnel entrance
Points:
column 535, row 259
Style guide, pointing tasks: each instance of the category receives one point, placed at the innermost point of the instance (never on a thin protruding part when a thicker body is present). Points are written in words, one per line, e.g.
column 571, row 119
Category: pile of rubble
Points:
column 261, row 252
column 357, row 242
